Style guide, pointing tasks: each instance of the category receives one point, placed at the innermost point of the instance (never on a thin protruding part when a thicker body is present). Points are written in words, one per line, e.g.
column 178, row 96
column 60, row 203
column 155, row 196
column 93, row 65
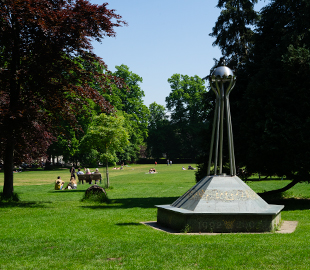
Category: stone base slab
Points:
column 286, row 227
column 218, row 223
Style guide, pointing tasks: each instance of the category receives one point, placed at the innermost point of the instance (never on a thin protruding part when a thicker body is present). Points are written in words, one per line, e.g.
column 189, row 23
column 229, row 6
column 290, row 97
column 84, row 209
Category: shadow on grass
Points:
column 265, row 179
column 290, row 204
column 129, row 224
column 22, row 204
column 66, row 191
column 134, row 202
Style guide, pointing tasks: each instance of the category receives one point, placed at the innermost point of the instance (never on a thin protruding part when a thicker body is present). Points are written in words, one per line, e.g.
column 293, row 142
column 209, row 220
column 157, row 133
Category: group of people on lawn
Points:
column 59, row 183
column 152, row 170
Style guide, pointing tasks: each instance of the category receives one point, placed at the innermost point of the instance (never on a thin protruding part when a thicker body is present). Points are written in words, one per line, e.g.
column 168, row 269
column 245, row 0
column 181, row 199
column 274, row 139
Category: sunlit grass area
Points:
column 54, row 229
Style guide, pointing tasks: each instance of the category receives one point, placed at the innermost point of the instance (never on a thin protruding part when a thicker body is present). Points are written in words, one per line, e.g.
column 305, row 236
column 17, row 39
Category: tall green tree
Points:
column 106, row 136
column 273, row 127
column 159, row 131
column 67, row 143
column 129, row 100
column 42, row 46
column 233, row 29
column 68, row 139
column 186, row 102
column 126, row 97
column 234, row 32
column 276, row 117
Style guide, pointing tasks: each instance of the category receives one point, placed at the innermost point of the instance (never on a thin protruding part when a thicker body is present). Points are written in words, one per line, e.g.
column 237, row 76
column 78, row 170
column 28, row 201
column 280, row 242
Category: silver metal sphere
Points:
column 223, row 71
column 222, row 81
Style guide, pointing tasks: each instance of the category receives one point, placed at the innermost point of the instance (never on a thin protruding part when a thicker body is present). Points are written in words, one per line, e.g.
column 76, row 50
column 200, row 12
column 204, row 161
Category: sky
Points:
column 163, row 37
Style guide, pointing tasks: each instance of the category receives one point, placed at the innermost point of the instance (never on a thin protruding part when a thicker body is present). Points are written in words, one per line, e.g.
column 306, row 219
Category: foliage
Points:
column 107, row 136
column 88, row 156
column 130, row 97
column 277, row 93
column 159, row 130
column 187, row 229
column 233, row 31
column 67, row 144
column 270, row 113
column 95, row 196
column 43, row 45
column 189, row 104
column 129, row 100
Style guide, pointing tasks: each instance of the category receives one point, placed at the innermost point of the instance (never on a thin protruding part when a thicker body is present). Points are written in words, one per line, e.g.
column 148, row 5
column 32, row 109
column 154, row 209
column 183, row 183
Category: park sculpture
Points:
column 220, row 202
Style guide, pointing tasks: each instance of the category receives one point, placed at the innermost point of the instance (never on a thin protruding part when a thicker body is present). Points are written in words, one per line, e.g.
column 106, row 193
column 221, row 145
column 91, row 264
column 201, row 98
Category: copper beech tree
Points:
column 46, row 69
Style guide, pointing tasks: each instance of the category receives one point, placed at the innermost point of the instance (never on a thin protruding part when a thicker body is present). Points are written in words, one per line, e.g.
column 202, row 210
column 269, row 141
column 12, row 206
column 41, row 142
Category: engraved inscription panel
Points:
column 233, row 225
column 219, row 195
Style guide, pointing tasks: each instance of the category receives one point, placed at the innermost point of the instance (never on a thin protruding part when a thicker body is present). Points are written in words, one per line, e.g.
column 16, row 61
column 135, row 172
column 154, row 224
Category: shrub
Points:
column 95, row 194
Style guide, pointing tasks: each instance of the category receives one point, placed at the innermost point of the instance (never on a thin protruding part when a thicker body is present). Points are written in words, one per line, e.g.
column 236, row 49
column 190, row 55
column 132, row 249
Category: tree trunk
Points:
column 10, row 123
column 107, row 173
column 8, row 169
column 287, row 187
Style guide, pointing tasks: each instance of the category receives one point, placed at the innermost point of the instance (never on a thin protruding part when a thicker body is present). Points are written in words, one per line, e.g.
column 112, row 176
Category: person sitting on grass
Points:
column 152, row 170
column 59, row 184
column 72, row 184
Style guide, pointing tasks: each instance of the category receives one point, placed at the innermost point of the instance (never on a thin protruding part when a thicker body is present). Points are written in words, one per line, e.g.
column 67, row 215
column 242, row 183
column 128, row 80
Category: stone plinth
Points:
column 220, row 204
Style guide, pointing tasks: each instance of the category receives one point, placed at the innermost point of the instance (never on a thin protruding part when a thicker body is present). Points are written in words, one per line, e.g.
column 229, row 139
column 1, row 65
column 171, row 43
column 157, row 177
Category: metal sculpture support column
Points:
column 214, row 200
column 222, row 78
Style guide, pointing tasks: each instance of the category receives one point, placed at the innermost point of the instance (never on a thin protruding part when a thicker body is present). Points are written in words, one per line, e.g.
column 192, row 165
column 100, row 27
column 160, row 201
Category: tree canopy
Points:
column 43, row 45
column 160, row 131
column 105, row 137
column 277, row 93
column 233, row 31
column 187, row 105
column 129, row 100
column 270, row 114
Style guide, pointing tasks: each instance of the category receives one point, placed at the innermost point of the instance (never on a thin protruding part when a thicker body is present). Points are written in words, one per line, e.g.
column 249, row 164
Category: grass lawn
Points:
column 54, row 229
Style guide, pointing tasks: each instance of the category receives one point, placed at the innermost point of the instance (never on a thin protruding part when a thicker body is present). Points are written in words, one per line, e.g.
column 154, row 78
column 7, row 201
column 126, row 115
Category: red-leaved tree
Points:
column 46, row 69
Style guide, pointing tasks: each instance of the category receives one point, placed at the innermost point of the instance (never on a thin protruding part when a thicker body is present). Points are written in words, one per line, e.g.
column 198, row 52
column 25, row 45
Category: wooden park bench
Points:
column 89, row 178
